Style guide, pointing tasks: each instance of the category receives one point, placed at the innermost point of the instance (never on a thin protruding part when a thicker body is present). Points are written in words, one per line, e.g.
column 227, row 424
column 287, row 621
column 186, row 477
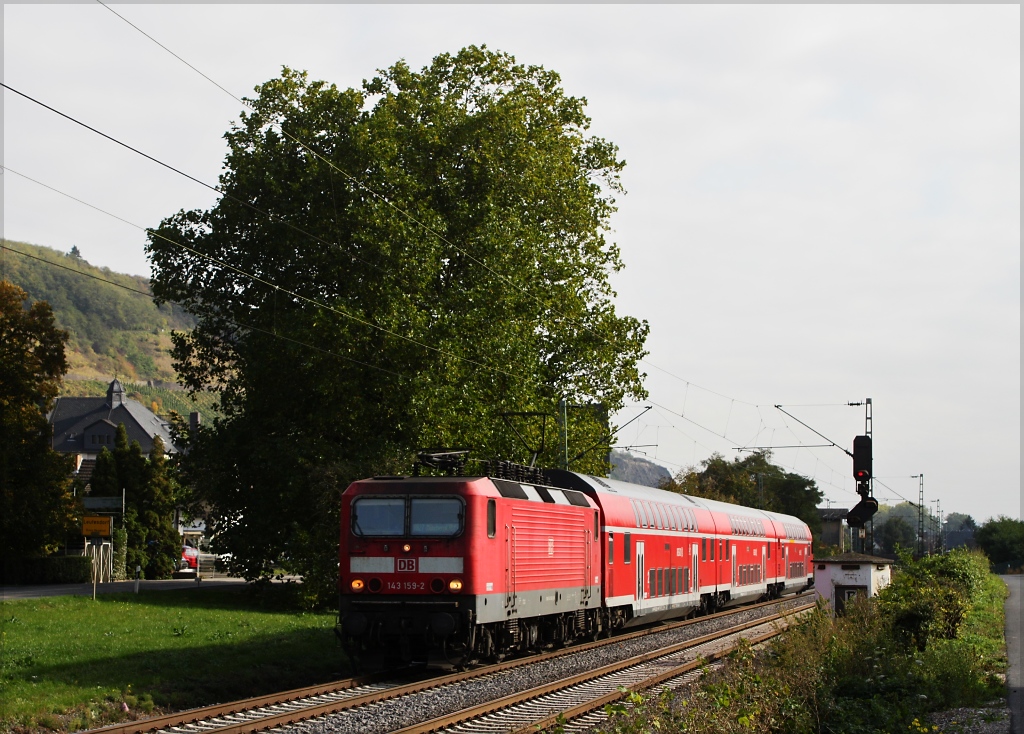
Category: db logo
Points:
column 406, row 564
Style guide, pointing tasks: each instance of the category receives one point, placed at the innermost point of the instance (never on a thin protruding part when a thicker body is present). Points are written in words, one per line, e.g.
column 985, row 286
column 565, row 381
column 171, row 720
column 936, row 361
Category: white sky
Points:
column 823, row 202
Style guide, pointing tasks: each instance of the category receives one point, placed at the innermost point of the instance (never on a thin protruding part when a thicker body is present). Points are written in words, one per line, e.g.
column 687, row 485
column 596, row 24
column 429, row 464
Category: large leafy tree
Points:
column 393, row 267
column 754, row 481
column 37, row 507
column 1002, row 539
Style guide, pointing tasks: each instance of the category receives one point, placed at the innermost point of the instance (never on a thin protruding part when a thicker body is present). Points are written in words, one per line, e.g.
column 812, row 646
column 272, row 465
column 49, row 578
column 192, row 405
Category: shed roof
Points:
column 854, row 558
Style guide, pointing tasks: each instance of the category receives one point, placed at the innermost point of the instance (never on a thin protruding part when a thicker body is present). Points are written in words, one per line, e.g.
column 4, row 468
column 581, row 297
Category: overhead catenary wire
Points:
column 235, row 322
column 396, row 208
column 369, row 190
column 270, row 284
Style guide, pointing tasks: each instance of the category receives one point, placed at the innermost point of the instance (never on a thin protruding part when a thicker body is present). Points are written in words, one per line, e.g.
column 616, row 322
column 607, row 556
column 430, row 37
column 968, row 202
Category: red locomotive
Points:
column 480, row 567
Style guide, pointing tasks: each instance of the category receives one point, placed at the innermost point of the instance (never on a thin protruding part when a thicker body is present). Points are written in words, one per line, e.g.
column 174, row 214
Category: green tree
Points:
column 1002, row 539
column 163, row 546
column 896, row 532
column 448, row 226
column 752, row 481
column 37, row 508
column 148, row 484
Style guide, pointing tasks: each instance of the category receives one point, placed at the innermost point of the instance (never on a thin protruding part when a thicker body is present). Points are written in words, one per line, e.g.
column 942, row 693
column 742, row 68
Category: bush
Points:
column 120, row 554
column 934, row 642
column 49, row 570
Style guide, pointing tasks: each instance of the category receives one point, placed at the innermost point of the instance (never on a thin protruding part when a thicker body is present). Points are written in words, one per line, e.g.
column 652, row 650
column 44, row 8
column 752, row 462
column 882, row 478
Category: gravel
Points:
column 994, row 719
column 390, row 715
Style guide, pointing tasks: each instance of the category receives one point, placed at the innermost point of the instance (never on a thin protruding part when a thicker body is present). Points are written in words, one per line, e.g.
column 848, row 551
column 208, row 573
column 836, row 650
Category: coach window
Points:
column 611, row 548
column 625, row 548
column 712, row 555
column 636, row 512
column 492, row 518
column 703, row 549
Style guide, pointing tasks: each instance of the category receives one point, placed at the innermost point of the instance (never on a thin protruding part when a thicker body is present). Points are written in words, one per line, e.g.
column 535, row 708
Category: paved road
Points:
column 1014, row 616
column 11, row 593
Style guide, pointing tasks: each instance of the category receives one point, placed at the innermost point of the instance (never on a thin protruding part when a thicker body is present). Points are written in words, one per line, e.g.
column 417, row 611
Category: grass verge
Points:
column 69, row 663
column 880, row 668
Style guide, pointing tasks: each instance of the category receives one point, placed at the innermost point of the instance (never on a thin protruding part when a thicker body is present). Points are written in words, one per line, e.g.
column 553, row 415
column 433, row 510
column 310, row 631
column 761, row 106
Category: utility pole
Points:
column 920, row 515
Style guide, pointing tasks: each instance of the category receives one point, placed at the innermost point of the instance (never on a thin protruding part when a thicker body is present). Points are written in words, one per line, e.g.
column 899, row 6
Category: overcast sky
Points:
column 823, row 202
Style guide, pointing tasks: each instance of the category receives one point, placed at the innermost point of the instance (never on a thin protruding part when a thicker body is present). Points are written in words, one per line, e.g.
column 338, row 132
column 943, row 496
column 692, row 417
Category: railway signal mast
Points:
column 862, row 460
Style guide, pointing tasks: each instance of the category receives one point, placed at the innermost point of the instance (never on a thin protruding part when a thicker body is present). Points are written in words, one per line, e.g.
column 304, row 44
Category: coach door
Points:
column 588, row 569
column 694, row 566
column 510, row 567
column 639, row 573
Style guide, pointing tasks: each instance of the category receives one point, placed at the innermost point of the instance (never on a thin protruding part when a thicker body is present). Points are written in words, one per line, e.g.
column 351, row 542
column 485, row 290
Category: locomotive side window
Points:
column 625, row 548
column 378, row 516
column 492, row 518
column 435, row 516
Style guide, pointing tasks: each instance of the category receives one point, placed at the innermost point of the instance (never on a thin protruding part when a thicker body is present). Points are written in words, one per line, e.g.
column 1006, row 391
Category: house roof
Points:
column 71, row 418
column 832, row 514
column 854, row 558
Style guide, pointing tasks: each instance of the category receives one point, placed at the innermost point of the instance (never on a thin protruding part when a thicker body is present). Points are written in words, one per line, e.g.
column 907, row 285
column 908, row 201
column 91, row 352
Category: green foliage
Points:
column 111, row 329
column 120, row 541
column 755, row 482
column 931, row 597
column 36, row 506
column 489, row 249
column 852, row 674
column 1002, row 539
column 895, row 533
column 48, row 570
column 150, row 492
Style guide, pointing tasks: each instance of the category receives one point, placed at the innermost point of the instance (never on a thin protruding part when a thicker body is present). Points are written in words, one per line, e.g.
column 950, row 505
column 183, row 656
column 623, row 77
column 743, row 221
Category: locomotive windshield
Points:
column 435, row 516
column 407, row 516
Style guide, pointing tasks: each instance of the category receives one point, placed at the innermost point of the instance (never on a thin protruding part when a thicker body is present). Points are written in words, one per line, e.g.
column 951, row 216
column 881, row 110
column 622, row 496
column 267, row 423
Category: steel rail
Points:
column 491, row 707
column 272, row 719
column 655, row 680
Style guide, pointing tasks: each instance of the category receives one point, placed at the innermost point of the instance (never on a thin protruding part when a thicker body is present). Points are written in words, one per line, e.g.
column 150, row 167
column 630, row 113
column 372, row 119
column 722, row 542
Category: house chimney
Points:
column 194, row 419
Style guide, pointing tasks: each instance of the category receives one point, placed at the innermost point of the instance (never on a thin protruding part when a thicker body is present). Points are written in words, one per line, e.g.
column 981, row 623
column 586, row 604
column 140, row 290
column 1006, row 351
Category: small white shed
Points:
column 839, row 578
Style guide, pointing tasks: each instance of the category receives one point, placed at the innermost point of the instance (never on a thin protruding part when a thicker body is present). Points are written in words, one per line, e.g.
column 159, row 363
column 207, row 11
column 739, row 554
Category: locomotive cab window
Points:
column 404, row 516
column 435, row 516
column 378, row 516
column 492, row 518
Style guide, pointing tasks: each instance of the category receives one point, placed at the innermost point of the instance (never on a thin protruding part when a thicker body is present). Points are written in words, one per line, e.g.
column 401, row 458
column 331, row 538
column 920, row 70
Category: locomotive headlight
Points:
column 406, row 548
column 455, row 585
column 357, row 585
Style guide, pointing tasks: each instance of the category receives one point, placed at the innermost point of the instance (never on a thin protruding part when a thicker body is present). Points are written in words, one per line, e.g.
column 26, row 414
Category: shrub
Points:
column 48, row 570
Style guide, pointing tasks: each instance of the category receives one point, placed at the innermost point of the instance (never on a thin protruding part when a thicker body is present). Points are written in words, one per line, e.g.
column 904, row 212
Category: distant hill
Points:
column 629, row 468
column 113, row 331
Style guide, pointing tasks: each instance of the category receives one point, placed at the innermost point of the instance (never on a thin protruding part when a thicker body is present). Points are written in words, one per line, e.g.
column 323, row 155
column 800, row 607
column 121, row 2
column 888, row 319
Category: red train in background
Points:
column 480, row 567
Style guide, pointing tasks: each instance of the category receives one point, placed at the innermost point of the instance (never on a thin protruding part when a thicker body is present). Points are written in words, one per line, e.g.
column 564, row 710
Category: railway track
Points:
column 383, row 703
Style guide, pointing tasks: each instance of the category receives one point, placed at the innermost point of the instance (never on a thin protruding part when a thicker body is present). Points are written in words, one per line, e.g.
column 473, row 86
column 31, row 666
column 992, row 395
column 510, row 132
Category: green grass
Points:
column 70, row 663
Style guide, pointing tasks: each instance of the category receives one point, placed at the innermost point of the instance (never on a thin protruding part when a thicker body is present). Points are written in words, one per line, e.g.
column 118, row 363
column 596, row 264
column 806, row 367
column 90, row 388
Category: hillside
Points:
column 113, row 331
column 629, row 468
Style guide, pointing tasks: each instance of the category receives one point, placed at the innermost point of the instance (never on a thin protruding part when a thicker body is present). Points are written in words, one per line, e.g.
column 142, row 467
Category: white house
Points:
column 838, row 579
